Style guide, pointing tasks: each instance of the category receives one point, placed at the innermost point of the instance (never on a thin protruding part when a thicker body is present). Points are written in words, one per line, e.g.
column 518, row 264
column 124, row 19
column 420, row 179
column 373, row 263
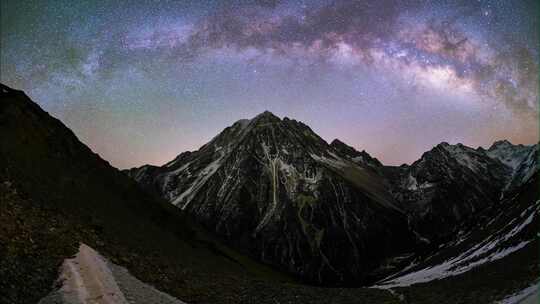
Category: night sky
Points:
column 142, row 81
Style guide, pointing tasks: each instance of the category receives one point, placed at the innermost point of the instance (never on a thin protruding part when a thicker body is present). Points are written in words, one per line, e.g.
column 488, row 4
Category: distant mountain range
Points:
column 264, row 208
column 328, row 213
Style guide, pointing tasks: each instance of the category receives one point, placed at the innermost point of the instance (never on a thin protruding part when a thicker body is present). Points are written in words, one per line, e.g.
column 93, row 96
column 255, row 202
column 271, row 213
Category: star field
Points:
column 141, row 81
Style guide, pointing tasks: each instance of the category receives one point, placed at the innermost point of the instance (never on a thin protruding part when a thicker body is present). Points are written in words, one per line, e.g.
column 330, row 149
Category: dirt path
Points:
column 89, row 278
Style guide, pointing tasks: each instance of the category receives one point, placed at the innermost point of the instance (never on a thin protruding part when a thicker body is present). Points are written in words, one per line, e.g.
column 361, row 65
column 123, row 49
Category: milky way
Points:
column 145, row 80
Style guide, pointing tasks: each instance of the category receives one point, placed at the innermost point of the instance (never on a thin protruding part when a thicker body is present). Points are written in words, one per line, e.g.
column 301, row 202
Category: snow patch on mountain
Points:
column 412, row 184
column 272, row 164
column 89, row 278
column 465, row 156
column 334, row 161
column 490, row 249
column 185, row 197
column 509, row 154
column 528, row 295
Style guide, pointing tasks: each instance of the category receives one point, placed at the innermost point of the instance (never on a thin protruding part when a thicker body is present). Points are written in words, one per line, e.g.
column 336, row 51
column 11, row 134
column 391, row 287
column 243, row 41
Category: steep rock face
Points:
column 522, row 160
column 447, row 186
column 361, row 158
column 275, row 188
column 525, row 170
column 507, row 153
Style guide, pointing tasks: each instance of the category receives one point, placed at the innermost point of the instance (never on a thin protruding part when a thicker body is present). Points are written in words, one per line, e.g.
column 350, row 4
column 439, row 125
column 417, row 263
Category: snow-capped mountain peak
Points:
column 509, row 154
column 275, row 179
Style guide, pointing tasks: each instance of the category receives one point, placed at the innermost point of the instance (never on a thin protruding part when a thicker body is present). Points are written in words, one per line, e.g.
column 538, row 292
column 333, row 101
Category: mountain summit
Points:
column 275, row 188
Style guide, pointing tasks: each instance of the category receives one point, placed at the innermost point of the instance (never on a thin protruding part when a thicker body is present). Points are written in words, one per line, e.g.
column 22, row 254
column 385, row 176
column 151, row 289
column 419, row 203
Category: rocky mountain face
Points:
column 500, row 249
column 327, row 212
column 274, row 187
column 450, row 184
column 522, row 160
column 447, row 187
column 507, row 153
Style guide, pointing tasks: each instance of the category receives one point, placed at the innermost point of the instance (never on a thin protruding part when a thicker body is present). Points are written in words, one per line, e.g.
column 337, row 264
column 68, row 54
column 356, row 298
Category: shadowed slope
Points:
column 55, row 193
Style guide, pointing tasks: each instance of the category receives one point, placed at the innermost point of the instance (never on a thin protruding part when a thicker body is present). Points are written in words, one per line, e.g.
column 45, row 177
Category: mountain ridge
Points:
column 287, row 158
column 338, row 142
